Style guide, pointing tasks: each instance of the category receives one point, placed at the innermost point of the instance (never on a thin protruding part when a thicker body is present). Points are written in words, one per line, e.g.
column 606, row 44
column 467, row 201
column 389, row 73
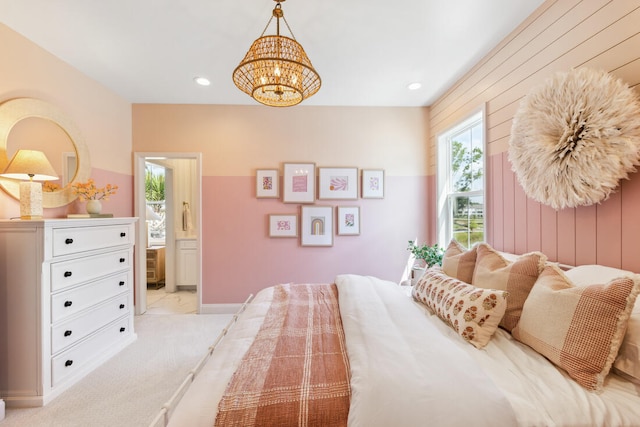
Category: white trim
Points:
column 443, row 223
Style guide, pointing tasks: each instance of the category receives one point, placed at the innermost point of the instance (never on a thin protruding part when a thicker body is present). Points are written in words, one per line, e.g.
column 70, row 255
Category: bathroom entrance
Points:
column 167, row 191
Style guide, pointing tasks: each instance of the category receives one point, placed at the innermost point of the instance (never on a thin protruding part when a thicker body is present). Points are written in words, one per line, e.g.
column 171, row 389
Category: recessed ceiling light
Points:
column 414, row 86
column 202, row 81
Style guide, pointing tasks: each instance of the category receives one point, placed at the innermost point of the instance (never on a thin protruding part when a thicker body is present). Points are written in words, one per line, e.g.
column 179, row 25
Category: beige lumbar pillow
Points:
column 578, row 328
column 459, row 262
column 472, row 312
column 495, row 272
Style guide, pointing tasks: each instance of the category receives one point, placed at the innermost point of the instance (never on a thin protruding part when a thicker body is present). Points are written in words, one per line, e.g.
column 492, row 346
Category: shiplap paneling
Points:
column 560, row 35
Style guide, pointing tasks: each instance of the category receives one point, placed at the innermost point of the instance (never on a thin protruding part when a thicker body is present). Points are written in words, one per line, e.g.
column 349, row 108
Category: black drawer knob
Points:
column 122, row 329
column 67, row 333
column 68, row 363
column 122, row 259
column 123, row 234
column 68, row 241
column 121, row 306
column 121, row 283
column 68, row 303
column 67, row 274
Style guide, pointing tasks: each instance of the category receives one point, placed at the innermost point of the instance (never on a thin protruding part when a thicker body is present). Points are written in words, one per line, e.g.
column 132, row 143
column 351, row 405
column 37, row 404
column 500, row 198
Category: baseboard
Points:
column 220, row 308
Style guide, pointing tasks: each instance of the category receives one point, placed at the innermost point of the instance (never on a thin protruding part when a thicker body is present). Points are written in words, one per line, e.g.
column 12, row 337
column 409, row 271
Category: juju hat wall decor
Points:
column 574, row 137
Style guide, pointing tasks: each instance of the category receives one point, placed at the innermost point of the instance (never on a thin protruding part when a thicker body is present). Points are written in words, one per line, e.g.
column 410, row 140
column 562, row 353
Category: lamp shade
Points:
column 31, row 165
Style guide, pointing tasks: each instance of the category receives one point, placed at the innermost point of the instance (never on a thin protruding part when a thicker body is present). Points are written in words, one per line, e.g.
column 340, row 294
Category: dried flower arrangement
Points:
column 89, row 191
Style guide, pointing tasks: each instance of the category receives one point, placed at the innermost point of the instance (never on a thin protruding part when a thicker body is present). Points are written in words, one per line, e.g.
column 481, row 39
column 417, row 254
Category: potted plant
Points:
column 426, row 256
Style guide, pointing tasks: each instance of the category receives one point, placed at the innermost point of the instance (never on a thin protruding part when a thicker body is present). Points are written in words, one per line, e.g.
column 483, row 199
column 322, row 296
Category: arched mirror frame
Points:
column 11, row 112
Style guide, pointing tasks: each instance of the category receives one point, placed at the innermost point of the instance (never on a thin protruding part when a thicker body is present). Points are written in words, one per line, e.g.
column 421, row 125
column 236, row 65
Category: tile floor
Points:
column 180, row 302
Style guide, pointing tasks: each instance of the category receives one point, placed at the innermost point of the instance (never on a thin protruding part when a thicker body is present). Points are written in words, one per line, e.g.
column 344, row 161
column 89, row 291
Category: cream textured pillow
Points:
column 579, row 328
column 494, row 272
column 472, row 312
column 628, row 360
column 459, row 262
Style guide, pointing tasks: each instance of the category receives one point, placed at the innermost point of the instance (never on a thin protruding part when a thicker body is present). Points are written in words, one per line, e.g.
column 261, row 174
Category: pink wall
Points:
column 607, row 233
column 103, row 118
column 240, row 258
column 558, row 36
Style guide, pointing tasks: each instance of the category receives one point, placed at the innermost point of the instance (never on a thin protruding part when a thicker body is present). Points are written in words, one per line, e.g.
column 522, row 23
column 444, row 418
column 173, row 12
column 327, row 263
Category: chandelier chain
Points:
column 288, row 27
column 267, row 26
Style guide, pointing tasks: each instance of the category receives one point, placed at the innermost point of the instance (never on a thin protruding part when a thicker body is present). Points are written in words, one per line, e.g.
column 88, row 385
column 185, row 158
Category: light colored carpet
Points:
column 130, row 388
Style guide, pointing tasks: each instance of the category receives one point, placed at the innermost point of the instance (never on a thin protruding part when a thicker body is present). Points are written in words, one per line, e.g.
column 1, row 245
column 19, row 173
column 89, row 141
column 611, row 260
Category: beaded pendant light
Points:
column 276, row 70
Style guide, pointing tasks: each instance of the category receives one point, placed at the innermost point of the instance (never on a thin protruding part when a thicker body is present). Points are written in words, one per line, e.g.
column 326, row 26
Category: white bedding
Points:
column 402, row 349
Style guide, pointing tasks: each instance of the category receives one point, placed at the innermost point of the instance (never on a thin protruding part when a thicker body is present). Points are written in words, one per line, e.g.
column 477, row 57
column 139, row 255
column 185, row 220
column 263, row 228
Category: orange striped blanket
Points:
column 296, row 372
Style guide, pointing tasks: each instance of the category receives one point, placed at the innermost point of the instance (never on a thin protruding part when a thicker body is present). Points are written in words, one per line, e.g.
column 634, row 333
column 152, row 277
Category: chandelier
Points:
column 276, row 70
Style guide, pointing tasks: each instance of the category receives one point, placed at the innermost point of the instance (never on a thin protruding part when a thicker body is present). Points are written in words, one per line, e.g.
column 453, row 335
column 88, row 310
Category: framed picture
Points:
column 373, row 184
column 285, row 225
column 338, row 183
column 267, row 184
column 316, row 226
column 348, row 220
column 299, row 183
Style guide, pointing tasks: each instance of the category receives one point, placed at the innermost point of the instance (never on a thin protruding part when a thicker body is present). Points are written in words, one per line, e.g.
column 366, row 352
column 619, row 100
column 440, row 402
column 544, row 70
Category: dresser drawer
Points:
column 86, row 352
column 67, row 303
column 73, row 330
column 69, row 273
column 72, row 240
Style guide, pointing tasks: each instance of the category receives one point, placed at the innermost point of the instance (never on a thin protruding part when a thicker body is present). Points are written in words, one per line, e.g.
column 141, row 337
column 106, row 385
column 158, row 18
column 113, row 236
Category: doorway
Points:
column 183, row 226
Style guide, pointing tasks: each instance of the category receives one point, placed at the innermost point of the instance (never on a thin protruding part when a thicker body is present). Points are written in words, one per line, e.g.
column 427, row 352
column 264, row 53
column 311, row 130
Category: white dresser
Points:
column 66, row 302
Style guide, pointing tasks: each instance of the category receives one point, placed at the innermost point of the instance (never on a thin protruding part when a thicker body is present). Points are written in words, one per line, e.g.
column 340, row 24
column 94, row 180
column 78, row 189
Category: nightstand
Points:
column 155, row 266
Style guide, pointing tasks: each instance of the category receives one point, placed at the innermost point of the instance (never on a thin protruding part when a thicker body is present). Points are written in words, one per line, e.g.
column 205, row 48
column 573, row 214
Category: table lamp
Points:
column 33, row 166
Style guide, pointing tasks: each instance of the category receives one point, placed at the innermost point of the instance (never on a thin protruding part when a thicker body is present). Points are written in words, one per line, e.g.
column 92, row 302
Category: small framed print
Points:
column 283, row 225
column 316, row 226
column 299, row 183
column 373, row 184
column 348, row 220
column 267, row 183
column 338, row 183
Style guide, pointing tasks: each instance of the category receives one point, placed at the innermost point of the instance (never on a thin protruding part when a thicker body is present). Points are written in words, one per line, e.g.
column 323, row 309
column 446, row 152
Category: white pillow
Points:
column 628, row 360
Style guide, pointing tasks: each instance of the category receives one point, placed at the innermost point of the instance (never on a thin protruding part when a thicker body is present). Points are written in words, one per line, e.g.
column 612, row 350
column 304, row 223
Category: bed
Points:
column 408, row 365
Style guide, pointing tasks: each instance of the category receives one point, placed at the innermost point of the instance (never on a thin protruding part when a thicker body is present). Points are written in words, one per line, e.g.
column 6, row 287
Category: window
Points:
column 461, row 182
column 155, row 196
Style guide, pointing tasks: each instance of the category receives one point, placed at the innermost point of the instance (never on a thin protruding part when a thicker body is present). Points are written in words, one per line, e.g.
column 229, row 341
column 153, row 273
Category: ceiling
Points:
column 366, row 51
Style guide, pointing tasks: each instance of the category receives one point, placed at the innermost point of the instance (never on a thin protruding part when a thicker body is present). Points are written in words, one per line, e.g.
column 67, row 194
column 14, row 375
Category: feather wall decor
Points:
column 575, row 137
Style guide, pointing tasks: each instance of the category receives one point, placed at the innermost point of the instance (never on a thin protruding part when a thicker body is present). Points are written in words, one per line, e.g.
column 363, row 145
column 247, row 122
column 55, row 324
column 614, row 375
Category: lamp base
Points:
column 31, row 217
column 30, row 200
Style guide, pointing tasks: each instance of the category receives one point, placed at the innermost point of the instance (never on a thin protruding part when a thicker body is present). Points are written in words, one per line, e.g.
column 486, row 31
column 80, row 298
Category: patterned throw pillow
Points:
column 494, row 272
column 578, row 328
column 472, row 312
column 459, row 262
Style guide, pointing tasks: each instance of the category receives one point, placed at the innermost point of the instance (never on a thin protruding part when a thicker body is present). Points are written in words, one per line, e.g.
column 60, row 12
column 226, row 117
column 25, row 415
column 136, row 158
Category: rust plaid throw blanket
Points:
column 296, row 373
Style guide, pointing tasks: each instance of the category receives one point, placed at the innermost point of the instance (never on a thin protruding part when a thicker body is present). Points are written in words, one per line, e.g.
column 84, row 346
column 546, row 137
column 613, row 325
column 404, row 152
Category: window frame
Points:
column 444, row 195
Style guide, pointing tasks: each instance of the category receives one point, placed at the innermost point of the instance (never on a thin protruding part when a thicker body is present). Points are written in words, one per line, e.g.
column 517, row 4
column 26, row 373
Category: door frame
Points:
column 139, row 203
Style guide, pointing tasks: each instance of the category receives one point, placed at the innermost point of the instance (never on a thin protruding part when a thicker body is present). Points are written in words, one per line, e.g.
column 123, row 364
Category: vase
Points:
column 94, row 206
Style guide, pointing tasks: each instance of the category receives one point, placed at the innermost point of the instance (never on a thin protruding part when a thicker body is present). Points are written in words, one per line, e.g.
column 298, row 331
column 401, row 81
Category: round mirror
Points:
column 42, row 126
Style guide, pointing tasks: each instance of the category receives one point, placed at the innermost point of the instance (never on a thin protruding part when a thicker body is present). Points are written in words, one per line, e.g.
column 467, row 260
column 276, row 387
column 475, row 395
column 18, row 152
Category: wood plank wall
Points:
column 558, row 36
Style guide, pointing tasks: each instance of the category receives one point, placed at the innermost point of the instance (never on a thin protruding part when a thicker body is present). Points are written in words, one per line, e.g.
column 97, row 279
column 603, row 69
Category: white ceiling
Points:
column 366, row 51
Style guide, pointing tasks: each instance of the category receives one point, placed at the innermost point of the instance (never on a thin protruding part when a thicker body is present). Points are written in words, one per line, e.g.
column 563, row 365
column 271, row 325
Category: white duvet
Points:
column 410, row 369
